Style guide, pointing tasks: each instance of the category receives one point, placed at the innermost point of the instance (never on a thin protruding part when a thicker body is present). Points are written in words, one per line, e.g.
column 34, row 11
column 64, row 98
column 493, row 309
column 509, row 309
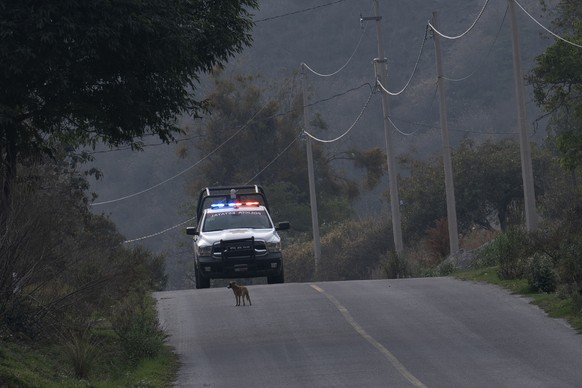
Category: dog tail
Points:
column 249, row 298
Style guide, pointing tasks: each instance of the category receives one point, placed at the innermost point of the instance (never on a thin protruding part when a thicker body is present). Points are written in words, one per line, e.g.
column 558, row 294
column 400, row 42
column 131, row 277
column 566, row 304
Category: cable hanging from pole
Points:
column 351, row 126
column 464, row 33
column 186, row 169
column 486, row 56
column 545, row 28
column 160, row 232
column 273, row 161
column 344, row 65
column 193, row 218
column 413, row 70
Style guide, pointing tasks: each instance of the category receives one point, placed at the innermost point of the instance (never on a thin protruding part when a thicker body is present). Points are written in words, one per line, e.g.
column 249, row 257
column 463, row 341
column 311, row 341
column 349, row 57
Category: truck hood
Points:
column 209, row 238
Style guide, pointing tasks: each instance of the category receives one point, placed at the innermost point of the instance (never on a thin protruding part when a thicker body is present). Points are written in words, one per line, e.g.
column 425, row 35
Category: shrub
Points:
column 570, row 263
column 541, row 275
column 395, row 266
column 437, row 240
column 510, row 251
column 350, row 250
column 81, row 350
column 135, row 321
column 299, row 262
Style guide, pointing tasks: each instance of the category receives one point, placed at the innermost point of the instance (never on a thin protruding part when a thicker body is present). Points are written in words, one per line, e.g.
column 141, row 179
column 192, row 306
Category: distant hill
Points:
column 324, row 35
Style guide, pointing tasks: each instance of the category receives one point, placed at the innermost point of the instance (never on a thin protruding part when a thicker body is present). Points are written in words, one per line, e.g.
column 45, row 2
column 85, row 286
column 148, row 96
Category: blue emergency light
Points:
column 221, row 205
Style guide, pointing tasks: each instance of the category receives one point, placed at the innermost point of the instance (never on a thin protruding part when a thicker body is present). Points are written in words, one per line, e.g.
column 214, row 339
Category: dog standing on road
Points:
column 240, row 292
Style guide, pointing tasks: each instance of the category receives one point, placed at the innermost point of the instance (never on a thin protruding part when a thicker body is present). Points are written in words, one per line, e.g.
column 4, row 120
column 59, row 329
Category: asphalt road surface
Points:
column 429, row 332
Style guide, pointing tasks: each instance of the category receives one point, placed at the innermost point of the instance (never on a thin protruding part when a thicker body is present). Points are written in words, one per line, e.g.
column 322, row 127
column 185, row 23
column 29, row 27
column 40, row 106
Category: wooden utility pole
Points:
column 311, row 176
column 531, row 217
column 449, row 186
column 380, row 66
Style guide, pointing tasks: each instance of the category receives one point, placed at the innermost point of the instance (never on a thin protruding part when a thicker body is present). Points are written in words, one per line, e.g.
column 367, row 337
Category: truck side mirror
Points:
column 283, row 225
column 191, row 230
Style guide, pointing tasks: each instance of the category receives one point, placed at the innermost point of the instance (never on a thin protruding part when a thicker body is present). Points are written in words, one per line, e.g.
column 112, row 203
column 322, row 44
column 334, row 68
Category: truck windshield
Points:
column 241, row 219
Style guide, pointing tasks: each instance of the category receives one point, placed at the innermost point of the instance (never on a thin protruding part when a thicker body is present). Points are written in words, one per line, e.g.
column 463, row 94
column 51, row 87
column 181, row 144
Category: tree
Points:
column 82, row 72
column 487, row 183
column 253, row 136
column 62, row 264
column 557, row 82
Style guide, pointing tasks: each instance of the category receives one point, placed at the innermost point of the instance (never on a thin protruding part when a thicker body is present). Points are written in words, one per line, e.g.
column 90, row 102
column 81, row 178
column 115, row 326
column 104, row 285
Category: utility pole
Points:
column 531, row 217
column 380, row 68
column 311, row 176
column 449, row 186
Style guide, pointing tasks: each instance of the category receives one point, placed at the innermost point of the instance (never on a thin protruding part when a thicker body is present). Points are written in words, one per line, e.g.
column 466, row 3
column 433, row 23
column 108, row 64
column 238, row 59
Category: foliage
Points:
column 112, row 71
column 557, row 83
column 61, row 263
column 487, row 179
column 541, row 275
column 512, row 251
column 46, row 364
column 82, row 349
column 299, row 261
column 350, row 250
column 134, row 319
column 548, row 258
column 570, row 263
column 395, row 266
column 255, row 126
column 374, row 161
column 437, row 240
column 555, row 305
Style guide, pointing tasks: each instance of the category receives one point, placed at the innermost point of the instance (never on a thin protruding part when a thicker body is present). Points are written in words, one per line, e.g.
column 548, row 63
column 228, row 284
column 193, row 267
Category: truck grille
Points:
column 239, row 249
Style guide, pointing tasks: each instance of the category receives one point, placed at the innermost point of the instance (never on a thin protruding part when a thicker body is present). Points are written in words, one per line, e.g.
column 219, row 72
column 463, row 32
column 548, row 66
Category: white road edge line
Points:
column 360, row 330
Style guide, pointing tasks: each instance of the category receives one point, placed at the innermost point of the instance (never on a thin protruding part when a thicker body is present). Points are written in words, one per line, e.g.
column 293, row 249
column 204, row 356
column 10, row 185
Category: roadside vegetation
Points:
column 75, row 301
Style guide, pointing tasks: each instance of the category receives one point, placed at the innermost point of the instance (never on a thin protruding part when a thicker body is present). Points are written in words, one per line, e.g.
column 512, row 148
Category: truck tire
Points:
column 277, row 279
column 200, row 281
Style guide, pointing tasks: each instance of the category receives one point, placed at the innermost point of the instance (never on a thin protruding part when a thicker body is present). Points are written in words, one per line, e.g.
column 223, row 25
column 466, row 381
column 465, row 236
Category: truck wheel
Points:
column 200, row 281
column 277, row 279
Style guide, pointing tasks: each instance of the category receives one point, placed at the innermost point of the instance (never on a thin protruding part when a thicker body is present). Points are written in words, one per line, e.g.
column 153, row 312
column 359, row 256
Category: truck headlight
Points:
column 204, row 250
column 273, row 246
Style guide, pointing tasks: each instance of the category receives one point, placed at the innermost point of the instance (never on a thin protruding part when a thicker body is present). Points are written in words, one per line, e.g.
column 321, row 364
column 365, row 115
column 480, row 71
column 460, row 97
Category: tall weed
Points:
column 82, row 350
column 541, row 274
column 570, row 263
column 135, row 321
column 509, row 251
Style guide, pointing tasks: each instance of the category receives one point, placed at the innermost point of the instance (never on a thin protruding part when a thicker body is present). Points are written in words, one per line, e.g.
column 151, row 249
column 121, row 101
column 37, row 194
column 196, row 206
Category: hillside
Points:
column 325, row 38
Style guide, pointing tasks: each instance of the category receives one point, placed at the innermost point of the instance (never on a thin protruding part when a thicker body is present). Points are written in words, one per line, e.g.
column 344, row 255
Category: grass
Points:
column 555, row 305
column 33, row 364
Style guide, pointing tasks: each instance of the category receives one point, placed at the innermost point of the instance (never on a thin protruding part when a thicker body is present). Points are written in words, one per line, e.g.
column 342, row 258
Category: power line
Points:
column 344, row 65
column 351, row 126
column 413, row 70
column 185, row 170
column 143, row 146
column 193, row 218
column 160, row 232
column 217, row 148
column 486, row 56
column 273, row 161
column 298, row 12
column 464, row 33
column 545, row 28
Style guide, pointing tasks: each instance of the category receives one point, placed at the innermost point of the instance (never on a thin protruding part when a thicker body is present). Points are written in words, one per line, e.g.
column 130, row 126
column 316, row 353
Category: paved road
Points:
column 430, row 332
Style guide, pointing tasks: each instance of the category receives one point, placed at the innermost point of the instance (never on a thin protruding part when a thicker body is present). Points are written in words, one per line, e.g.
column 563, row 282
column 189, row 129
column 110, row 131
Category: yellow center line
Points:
column 360, row 330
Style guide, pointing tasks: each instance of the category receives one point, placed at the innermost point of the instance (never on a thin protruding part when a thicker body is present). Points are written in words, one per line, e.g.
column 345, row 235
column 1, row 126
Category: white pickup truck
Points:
column 235, row 236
